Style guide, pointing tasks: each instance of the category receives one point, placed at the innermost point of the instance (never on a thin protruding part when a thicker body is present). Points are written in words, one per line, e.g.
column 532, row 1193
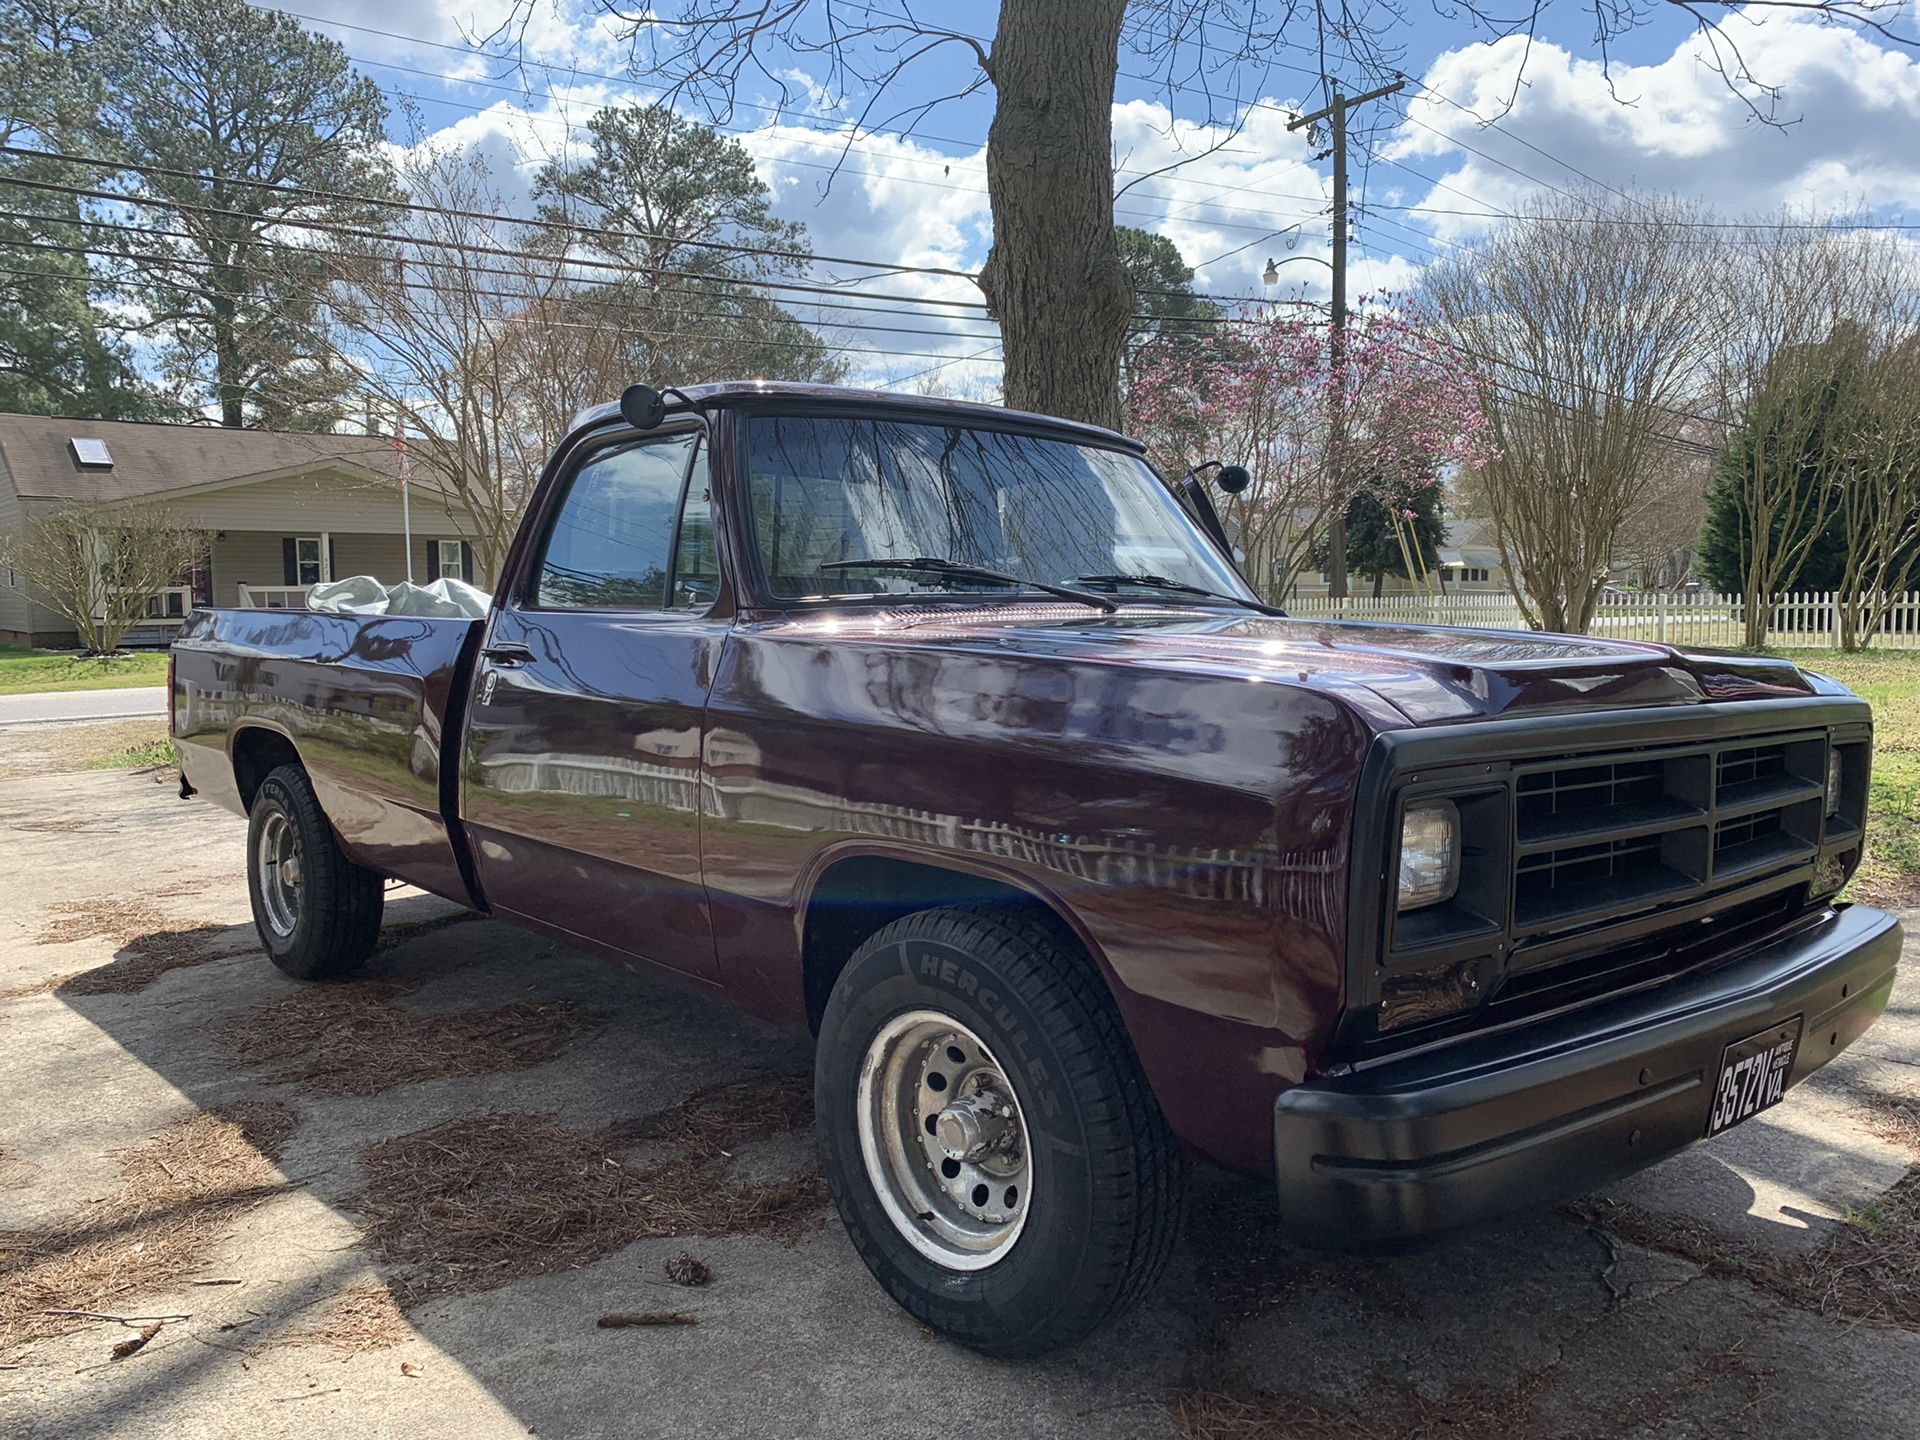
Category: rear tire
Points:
column 318, row 913
column 997, row 1157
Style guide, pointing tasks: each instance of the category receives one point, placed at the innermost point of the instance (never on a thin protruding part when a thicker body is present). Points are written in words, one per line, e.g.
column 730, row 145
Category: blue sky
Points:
column 1429, row 175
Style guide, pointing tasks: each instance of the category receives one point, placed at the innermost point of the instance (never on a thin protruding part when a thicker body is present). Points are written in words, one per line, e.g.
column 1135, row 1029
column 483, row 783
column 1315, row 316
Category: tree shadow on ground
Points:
column 1502, row 1329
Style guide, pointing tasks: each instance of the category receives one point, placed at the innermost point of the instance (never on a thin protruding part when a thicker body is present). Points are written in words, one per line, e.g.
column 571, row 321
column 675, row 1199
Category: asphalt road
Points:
column 1541, row 1326
column 133, row 702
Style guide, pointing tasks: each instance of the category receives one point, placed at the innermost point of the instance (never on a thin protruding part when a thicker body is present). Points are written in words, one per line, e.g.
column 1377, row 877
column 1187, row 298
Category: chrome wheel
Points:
column 276, row 861
column 945, row 1145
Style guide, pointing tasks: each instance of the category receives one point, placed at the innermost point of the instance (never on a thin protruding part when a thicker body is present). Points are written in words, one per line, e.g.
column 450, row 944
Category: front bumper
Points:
column 1524, row 1118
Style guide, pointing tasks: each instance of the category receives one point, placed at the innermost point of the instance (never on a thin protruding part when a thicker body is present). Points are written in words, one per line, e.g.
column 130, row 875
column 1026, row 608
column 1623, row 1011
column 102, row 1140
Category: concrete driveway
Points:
column 1701, row 1299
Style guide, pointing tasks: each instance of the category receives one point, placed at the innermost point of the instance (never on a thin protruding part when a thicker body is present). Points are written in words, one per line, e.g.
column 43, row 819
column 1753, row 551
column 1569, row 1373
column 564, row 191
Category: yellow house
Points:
column 284, row 511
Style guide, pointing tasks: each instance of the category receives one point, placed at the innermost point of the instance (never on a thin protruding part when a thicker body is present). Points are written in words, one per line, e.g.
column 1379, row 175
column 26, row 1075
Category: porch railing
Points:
column 274, row 597
column 163, row 607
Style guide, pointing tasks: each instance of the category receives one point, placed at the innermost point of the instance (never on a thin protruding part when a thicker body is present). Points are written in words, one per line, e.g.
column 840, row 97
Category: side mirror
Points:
column 642, row 407
column 1234, row 478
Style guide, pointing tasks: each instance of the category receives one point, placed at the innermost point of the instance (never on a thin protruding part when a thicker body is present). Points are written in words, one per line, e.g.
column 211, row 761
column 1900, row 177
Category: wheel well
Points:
column 859, row 896
column 257, row 752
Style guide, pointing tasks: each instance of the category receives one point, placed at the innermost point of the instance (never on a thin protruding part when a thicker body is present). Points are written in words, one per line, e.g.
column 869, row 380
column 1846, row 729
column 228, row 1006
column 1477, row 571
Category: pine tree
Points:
column 239, row 125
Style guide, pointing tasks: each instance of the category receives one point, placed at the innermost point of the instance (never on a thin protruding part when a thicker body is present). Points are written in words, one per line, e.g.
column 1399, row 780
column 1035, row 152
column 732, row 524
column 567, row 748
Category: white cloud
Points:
column 1675, row 125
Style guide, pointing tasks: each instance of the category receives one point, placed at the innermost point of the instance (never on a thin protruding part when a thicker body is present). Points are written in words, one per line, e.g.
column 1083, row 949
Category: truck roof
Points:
column 919, row 407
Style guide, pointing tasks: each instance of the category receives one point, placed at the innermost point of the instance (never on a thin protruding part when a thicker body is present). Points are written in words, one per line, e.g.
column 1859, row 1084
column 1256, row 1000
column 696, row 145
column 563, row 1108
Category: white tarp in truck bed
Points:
column 364, row 595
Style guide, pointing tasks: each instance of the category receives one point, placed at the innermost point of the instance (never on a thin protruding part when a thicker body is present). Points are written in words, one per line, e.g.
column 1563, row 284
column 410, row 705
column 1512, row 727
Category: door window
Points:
column 624, row 540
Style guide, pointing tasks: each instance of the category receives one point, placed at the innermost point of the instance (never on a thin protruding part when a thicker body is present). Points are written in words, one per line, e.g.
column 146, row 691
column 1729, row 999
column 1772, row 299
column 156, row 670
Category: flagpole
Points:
column 406, row 508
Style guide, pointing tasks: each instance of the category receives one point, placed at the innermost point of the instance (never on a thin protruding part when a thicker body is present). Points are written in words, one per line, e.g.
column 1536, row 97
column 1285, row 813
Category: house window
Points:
column 306, row 561
column 451, row 566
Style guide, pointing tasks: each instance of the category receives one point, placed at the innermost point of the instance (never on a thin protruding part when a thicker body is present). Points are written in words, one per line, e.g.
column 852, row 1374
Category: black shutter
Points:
column 289, row 561
column 433, row 561
column 333, row 570
column 466, row 564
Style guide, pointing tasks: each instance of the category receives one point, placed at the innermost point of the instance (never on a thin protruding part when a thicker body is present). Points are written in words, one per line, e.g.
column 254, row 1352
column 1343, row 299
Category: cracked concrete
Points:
column 1569, row 1329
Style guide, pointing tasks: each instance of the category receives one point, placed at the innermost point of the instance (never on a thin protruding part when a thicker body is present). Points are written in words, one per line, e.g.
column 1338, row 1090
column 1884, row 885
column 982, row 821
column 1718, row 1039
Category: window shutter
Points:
column 433, row 561
column 333, row 570
column 289, row 561
column 467, row 571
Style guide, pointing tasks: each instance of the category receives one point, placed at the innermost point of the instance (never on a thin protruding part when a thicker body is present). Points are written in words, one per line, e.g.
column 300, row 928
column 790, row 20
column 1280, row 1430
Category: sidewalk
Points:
column 40, row 709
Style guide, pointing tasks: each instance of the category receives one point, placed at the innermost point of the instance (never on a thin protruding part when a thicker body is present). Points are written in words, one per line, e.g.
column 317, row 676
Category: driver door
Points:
column 580, row 786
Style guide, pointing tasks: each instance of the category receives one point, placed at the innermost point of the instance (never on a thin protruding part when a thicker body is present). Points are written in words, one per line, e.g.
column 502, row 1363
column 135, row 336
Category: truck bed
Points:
column 372, row 703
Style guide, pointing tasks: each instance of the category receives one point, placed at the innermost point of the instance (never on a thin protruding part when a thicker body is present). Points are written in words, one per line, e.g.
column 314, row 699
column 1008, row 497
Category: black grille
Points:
column 1604, row 839
column 1611, row 857
column 1744, row 766
column 1582, row 879
column 1557, row 799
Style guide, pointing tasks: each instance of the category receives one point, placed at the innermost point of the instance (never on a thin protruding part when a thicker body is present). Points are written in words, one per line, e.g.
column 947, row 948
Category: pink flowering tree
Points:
column 1396, row 416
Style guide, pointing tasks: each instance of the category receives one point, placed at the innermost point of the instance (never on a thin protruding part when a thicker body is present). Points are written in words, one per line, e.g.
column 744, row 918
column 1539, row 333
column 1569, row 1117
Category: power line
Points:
column 651, row 335
column 492, row 251
column 986, row 354
column 393, row 237
column 827, row 347
column 480, row 292
column 410, row 207
column 172, row 259
column 175, row 258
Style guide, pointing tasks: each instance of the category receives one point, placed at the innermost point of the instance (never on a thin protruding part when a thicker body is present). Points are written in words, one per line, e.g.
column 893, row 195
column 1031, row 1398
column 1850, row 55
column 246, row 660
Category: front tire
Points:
column 318, row 913
column 997, row 1157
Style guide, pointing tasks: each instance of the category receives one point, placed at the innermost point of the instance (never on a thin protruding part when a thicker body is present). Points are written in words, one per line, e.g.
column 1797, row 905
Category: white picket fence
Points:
column 1687, row 618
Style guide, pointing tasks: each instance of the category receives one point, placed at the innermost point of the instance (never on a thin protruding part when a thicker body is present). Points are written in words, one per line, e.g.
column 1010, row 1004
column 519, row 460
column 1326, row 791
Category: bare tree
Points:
column 1878, row 480
column 1656, row 541
column 484, row 338
column 480, row 348
column 97, row 566
column 1054, row 279
column 1582, row 328
column 1798, row 301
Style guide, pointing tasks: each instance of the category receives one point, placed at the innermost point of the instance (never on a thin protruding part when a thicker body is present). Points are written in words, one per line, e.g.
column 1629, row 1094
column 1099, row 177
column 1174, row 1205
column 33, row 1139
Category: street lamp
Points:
column 1271, row 275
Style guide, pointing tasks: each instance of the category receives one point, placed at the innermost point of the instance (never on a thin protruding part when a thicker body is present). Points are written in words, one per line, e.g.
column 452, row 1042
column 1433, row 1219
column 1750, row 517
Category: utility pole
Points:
column 1337, row 333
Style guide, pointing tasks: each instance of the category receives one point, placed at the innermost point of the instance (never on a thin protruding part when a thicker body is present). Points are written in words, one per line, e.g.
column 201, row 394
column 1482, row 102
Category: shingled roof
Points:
column 40, row 456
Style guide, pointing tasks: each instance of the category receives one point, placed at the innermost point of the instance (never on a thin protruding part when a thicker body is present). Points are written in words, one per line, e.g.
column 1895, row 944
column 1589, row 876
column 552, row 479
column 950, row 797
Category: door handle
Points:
column 507, row 654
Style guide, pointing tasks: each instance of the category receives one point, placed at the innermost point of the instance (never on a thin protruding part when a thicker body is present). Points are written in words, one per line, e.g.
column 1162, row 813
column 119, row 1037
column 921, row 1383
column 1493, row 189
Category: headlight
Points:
column 1836, row 775
column 1429, row 853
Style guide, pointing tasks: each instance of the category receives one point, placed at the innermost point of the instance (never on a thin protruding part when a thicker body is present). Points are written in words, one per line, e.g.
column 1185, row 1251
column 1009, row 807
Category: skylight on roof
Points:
column 91, row 452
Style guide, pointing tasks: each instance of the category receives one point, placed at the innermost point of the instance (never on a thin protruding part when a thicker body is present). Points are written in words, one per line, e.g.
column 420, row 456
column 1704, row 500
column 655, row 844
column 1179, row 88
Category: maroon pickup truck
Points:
column 955, row 735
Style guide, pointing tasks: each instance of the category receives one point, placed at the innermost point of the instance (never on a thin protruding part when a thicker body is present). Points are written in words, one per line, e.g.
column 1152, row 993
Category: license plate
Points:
column 1753, row 1075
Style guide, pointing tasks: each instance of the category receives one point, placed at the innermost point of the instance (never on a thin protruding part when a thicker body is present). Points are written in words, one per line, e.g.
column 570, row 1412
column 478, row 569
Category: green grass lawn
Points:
column 1889, row 680
column 24, row 672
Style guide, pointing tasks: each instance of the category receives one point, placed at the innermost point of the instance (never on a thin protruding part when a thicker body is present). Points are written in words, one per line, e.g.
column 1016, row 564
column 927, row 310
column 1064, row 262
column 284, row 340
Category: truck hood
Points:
column 1423, row 675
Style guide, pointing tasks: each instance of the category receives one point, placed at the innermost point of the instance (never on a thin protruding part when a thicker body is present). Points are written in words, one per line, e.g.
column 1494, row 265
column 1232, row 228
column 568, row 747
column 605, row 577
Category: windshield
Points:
column 829, row 489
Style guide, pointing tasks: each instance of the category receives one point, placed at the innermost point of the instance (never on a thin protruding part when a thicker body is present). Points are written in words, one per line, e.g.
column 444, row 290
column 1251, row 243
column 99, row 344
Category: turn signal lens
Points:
column 1429, row 854
column 1836, row 778
column 1429, row 994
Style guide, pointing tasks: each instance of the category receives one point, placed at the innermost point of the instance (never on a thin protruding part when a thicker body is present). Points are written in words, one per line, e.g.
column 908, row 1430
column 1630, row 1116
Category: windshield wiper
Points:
column 961, row 569
column 1178, row 587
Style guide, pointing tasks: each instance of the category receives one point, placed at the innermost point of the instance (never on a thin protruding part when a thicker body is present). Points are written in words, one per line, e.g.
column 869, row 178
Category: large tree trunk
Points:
column 1053, row 278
